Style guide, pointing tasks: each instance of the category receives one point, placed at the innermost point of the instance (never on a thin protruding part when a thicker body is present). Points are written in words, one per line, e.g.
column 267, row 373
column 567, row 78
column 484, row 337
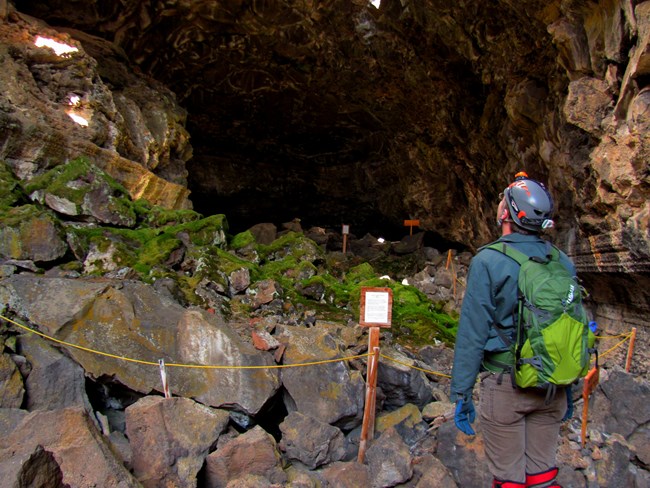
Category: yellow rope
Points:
column 611, row 349
column 626, row 334
column 414, row 367
column 196, row 366
column 277, row 366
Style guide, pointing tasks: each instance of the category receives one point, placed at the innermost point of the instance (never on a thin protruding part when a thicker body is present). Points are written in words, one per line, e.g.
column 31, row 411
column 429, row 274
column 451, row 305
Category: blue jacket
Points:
column 490, row 298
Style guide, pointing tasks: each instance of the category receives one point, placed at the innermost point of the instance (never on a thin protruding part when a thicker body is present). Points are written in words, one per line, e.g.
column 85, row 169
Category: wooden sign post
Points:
column 630, row 350
column 376, row 311
column 411, row 224
column 590, row 384
column 345, row 231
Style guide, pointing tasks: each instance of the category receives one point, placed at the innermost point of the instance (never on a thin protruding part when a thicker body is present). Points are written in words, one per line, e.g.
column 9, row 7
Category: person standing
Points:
column 520, row 425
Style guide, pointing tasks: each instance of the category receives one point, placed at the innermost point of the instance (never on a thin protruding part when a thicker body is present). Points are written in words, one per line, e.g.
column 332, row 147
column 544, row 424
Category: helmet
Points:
column 530, row 203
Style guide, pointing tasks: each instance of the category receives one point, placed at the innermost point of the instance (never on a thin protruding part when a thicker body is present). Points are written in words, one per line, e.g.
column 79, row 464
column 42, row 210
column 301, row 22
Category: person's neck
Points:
column 506, row 228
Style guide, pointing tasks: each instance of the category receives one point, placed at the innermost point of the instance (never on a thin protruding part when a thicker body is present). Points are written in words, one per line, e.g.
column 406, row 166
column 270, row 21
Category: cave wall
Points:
column 339, row 112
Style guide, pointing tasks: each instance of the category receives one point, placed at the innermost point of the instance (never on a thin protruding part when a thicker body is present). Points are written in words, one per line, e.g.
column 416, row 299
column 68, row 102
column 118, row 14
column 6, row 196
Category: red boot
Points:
column 541, row 479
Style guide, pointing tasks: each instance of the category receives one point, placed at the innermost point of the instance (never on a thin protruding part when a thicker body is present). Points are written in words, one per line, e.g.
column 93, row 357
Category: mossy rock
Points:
column 11, row 191
column 362, row 272
column 28, row 232
column 291, row 244
column 208, row 231
column 156, row 216
column 81, row 188
column 58, row 181
column 242, row 240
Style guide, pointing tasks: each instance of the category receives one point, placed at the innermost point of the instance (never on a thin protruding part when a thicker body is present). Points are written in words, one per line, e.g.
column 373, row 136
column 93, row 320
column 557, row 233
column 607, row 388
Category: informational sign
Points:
column 346, row 229
column 376, row 307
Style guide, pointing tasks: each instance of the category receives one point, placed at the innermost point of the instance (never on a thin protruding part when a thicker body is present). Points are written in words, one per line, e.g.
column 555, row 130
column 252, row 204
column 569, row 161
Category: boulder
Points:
column 389, row 460
column 324, row 443
column 132, row 321
column 253, row 453
column 73, row 442
column 329, row 392
column 12, row 389
column 170, row 439
column 54, row 381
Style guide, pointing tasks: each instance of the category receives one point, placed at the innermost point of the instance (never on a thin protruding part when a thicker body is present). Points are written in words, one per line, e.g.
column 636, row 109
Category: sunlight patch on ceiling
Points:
column 60, row 48
column 73, row 112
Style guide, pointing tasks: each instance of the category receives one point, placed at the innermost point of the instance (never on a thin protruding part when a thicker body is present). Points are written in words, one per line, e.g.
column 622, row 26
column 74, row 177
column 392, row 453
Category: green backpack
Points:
column 553, row 341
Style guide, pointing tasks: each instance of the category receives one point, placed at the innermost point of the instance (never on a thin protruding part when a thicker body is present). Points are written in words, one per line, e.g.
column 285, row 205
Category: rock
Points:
column 463, row 455
column 400, row 383
column 264, row 233
column 614, row 469
column 253, row 453
column 31, row 234
column 406, row 420
column 55, row 381
column 80, row 451
column 41, row 469
column 339, row 391
column 431, row 472
column 589, row 102
column 389, row 460
column 323, row 445
column 12, row 389
column 182, row 336
column 620, row 406
column 347, row 474
column 80, row 189
column 170, row 439
column 49, row 302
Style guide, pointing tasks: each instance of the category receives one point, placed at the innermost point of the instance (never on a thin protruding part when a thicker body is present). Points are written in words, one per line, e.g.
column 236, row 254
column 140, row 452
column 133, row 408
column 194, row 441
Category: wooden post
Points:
column 376, row 310
column 163, row 377
column 630, row 350
column 345, row 231
column 590, row 383
column 368, row 426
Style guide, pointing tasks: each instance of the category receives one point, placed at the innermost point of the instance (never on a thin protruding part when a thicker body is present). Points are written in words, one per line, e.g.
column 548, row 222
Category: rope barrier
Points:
column 617, row 345
column 626, row 337
column 415, row 367
column 177, row 365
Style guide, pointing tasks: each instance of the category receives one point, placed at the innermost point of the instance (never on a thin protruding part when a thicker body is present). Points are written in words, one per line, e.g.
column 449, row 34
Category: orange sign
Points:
column 412, row 223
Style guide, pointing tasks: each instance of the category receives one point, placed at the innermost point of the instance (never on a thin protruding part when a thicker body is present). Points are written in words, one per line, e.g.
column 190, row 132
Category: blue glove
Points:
column 464, row 416
column 569, row 404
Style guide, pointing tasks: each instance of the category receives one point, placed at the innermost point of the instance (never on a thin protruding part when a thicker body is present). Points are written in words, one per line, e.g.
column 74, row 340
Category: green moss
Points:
column 156, row 216
column 14, row 216
column 209, row 231
column 362, row 272
column 291, row 244
column 415, row 319
column 241, row 240
column 10, row 190
column 336, row 293
column 57, row 181
column 155, row 252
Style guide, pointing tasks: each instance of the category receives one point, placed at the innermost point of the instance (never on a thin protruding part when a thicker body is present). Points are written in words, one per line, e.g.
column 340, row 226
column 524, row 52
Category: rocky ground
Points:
column 264, row 359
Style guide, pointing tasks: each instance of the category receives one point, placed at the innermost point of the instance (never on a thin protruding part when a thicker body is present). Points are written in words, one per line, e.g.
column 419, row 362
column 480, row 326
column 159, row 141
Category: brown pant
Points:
column 520, row 432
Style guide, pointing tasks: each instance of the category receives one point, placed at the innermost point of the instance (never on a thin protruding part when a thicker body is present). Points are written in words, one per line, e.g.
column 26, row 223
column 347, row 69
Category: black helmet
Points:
column 530, row 203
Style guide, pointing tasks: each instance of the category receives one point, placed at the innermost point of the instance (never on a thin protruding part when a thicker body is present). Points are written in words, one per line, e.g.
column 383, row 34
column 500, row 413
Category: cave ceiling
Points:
column 339, row 112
